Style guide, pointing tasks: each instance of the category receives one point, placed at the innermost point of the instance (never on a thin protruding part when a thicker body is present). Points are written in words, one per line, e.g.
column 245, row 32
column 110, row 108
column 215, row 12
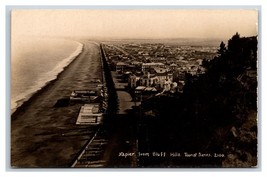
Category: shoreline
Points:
column 45, row 136
column 73, row 56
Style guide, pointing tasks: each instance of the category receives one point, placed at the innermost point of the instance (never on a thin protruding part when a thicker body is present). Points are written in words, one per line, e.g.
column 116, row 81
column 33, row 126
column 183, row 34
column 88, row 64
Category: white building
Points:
column 89, row 114
column 161, row 79
column 146, row 66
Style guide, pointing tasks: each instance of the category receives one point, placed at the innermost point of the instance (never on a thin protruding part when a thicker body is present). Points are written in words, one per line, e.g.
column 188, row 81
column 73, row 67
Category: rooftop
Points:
column 89, row 114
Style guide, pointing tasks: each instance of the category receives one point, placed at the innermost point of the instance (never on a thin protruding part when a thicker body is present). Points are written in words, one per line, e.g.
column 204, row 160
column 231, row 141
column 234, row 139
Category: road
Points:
column 124, row 52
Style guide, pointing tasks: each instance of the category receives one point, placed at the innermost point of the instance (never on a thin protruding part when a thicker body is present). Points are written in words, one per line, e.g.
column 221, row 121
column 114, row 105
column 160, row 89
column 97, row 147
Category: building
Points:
column 120, row 66
column 173, row 66
column 85, row 96
column 148, row 80
column 146, row 66
column 89, row 114
column 132, row 81
column 142, row 92
column 163, row 74
column 160, row 79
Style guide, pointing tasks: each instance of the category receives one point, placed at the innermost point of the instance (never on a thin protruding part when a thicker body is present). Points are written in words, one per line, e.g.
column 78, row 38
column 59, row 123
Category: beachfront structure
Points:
column 85, row 96
column 89, row 114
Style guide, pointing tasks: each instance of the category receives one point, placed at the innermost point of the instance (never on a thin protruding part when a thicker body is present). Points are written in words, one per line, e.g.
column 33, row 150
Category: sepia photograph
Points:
column 134, row 88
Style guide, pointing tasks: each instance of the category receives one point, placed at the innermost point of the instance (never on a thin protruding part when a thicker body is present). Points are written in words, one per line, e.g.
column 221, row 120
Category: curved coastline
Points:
column 46, row 136
column 55, row 73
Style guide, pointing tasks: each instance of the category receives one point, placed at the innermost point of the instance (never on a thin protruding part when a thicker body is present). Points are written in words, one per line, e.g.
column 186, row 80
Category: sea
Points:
column 35, row 61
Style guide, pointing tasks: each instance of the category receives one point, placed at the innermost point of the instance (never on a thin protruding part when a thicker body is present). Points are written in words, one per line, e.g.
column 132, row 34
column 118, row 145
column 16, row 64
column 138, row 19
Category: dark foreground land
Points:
column 46, row 136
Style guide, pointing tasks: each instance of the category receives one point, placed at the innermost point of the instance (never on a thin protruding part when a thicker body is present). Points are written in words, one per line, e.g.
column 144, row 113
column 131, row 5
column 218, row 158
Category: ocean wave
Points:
column 44, row 79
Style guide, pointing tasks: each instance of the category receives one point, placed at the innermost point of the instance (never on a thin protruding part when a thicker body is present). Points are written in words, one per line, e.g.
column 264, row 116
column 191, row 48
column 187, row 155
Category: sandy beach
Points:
column 46, row 136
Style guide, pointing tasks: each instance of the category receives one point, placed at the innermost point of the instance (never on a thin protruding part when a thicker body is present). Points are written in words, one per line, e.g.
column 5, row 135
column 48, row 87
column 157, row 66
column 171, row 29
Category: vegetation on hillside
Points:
column 216, row 113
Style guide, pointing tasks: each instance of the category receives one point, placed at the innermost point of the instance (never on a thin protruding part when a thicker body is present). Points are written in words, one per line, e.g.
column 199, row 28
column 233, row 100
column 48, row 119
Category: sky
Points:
column 175, row 23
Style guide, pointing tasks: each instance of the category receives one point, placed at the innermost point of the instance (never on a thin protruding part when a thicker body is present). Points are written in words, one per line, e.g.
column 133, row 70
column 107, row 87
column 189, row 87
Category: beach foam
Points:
column 44, row 79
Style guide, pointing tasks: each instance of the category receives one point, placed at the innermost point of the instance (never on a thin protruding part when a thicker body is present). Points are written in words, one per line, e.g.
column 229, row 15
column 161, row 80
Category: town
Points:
column 151, row 69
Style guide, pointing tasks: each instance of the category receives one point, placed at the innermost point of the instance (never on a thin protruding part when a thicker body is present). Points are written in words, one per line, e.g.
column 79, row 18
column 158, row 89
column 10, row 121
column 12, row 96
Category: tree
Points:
column 222, row 49
column 234, row 44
